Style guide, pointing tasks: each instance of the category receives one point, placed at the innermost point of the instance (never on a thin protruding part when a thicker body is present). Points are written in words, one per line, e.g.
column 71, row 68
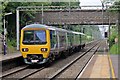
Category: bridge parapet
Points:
column 85, row 17
column 72, row 14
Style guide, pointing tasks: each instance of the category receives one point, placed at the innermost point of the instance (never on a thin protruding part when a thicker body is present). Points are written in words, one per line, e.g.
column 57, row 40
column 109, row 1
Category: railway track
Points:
column 64, row 70
column 21, row 73
column 7, row 73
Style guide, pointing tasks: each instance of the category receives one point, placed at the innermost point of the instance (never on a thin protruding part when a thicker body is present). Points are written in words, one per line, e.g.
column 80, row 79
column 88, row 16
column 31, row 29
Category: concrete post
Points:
column 4, row 38
column 42, row 15
column 17, row 28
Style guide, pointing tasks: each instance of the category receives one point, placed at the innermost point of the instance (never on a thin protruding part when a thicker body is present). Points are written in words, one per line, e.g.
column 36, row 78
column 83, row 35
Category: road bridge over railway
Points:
column 74, row 15
column 83, row 17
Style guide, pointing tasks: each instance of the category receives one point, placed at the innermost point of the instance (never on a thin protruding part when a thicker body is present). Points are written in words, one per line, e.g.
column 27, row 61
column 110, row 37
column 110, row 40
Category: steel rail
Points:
column 10, row 73
column 78, row 76
column 31, row 73
column 69, row 64
column 25, row 76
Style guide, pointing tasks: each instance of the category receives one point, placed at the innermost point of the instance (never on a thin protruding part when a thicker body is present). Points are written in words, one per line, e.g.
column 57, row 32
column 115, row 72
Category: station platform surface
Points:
column 102, row 66
column 10, row 56
column 114, row 61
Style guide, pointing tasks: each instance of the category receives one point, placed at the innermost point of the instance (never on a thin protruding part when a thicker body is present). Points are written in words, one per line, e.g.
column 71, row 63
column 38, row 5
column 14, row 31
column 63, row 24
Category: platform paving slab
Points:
column 98, row 67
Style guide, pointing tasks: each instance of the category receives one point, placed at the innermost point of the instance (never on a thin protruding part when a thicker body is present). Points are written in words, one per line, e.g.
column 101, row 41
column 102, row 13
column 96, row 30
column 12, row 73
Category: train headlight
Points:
column 44, row 49
column 25, row 49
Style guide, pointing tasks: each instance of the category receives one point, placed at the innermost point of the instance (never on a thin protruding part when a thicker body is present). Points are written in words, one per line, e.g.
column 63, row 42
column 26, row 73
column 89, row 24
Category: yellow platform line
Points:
column 111, row 67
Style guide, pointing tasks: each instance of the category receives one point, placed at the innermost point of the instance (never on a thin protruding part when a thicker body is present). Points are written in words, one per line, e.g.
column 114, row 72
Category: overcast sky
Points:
column 90, row 3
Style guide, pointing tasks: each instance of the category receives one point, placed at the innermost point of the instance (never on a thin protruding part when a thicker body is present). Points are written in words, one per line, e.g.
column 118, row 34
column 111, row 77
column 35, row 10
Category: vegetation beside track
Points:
column 113, row 40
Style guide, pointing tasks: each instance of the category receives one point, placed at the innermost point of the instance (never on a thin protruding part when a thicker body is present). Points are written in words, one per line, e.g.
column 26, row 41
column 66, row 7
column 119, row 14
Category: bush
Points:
column 11, row 42
column 11, row 46
column 114, row 49
column 113, row 45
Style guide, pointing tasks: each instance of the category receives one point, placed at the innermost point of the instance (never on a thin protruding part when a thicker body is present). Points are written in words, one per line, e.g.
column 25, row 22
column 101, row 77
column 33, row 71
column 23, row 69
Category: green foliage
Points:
column 12, row 6
column 113, row 35
column 65, row 3
column 113, row 45
column 11, row 42
column 114, row 49
column 92, row 31
column 1, row 17
column 115, row 7
column 25, row 17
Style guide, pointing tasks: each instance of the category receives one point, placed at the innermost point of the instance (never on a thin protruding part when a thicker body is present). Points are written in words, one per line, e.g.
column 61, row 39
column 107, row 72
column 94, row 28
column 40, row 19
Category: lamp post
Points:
column 5, row 32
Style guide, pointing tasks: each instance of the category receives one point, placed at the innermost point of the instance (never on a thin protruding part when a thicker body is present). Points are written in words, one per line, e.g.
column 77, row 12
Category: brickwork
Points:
column 75, row 17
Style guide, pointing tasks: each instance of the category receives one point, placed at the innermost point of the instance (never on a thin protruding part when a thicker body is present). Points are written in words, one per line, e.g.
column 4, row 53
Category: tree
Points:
column 116, row 9
column 25, row 16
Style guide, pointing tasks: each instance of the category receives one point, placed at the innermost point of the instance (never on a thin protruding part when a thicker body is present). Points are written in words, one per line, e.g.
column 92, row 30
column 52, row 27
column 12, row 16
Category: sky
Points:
column 90, row 3
column 105, row 29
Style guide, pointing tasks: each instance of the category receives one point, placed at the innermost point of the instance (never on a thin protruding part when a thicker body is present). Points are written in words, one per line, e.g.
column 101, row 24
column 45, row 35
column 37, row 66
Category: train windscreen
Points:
column 34, row 37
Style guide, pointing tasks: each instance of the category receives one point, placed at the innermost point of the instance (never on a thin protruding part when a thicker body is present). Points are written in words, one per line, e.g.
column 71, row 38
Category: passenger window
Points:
column 53, row 39
column 62, row 39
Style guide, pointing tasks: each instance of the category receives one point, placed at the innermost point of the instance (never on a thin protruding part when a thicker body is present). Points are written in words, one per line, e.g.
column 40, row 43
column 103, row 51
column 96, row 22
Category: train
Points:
column 41, row 44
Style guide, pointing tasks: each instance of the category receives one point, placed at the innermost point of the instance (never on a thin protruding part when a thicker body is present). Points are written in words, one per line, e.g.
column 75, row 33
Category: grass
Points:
column 114, row 49
column 11, row 49
column 11, row 46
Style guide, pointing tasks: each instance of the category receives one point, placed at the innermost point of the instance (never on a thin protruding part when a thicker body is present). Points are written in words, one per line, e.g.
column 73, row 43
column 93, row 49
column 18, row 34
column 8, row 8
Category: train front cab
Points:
column 35, row 45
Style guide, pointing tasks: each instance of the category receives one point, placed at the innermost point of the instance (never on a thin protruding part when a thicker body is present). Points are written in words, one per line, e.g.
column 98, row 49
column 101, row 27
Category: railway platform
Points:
column 9, row 56
column 101, row 66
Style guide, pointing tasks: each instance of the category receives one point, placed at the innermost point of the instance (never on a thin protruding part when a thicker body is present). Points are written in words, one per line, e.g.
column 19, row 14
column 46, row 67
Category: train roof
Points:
column 35, row 26
column 78, row 33
column 50, row 28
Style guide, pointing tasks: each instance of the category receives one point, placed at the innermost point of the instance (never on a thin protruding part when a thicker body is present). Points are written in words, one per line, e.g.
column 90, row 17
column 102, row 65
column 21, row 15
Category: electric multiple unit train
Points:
column 41, row 43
